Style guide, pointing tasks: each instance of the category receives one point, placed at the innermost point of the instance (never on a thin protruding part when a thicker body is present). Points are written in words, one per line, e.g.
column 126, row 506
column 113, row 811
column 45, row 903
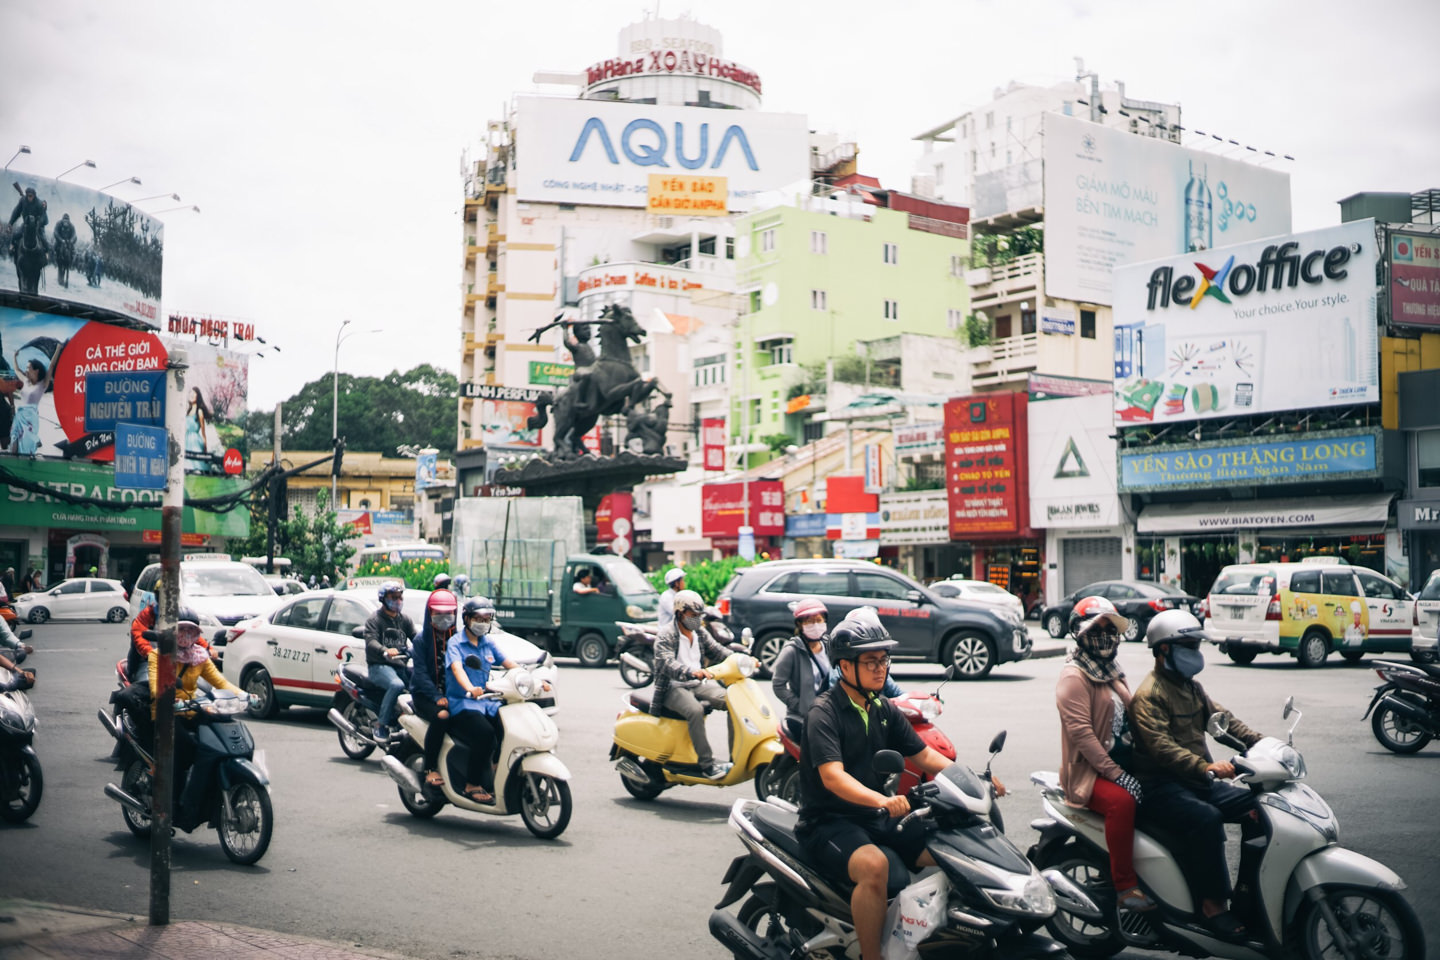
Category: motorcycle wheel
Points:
column 361, row 719
column 245, row 832
column 649, row 790
column 771, row 779
column 635, row 677
column 136, row 782
column 1381, row 923
column 1090, row 871
column 1397, row 733
column 545, row 805
column 774, row 926
column 420, row 804
column 22, row 789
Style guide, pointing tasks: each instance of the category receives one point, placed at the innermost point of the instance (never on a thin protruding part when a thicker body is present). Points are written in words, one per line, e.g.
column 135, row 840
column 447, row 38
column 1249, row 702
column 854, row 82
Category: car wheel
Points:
column 116, row 614
column 1034, row 612
column 1314, row 648
column 1055, row 625
column 1426, row 656
column 1353, row 656
column 592, row 650
column 1135, row 629
column 39, row 615
column 972, row 655
column 257, row 683
column 767, row 651
column 1241, row 657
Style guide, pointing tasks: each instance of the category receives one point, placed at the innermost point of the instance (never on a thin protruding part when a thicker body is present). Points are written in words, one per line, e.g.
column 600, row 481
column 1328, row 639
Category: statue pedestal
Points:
column 589, row 477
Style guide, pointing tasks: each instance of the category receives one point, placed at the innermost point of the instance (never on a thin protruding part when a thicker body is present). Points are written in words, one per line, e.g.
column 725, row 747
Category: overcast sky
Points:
column 322, row 140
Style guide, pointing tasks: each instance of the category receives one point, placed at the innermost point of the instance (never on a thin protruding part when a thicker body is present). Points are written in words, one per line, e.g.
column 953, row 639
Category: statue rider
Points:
column 577, row 341
column 647, row 427
column 65, row 232
column 30, row 206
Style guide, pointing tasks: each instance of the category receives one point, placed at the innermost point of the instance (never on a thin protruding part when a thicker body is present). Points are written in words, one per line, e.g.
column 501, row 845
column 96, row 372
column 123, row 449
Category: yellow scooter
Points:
column 654, row 753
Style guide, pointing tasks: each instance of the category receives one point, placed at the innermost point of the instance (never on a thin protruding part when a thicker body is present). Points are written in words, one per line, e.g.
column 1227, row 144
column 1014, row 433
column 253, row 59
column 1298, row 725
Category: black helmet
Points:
column 187, row 613
column 477, row 607
column 860, row 632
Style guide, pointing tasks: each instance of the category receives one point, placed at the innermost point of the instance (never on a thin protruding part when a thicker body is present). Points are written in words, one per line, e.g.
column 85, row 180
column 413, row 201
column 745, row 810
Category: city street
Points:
column 627, row 879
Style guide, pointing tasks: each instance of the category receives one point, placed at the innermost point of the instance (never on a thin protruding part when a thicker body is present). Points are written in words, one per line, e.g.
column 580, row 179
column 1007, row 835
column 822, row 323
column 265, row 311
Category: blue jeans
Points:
column 384, row 675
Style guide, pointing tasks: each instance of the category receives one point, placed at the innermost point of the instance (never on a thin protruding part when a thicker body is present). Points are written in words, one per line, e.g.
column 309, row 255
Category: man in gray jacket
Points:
column 682, row 684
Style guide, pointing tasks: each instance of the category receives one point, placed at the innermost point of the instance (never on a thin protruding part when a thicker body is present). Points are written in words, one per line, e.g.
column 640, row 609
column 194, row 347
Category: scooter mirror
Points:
column 1218, row 724
column 358, row 633
column 25, row 634
column 951, row 672
column 998, row 743
column 888, row 761
column 1284, row 714
column 473, row 662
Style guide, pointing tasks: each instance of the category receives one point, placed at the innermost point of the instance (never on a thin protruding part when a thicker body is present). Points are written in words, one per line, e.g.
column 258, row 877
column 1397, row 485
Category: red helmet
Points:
column 808, row 608
column 441, row 601
column 1092, row 610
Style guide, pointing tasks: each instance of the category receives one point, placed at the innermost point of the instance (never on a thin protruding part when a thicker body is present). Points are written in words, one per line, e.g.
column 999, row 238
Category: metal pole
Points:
column 272, row 517
column 748, row 346
column 335, row 414
column 171, row 510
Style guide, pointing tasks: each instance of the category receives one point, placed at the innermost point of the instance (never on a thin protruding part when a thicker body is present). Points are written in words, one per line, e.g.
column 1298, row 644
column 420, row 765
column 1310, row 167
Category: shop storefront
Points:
column 805, row 535
column 916, row 525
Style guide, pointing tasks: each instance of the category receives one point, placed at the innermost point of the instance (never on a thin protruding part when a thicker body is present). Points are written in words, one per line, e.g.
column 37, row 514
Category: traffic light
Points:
column 280, row 498
column 339, row 456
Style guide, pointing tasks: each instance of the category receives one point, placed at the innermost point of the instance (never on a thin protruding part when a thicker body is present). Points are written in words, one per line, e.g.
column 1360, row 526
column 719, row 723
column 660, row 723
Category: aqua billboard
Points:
column 1329, row 456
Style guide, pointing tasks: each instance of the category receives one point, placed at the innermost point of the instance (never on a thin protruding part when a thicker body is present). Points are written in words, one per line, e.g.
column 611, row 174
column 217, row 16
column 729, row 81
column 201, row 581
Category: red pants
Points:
column 1115, row 804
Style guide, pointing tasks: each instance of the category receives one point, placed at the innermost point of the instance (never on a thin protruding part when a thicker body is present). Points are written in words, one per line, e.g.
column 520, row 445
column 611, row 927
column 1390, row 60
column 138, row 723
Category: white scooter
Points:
column 1300, row 894
column 529, row 780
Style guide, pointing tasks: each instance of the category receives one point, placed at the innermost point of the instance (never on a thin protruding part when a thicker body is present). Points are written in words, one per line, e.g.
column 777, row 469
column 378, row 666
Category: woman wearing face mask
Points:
column 427, row 676
column 1092, row 698
column 474, row 720
column 802, row 670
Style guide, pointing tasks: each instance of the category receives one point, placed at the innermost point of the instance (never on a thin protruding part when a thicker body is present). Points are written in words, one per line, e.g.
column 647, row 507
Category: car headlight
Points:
column 634, row 612
column 1030, row 895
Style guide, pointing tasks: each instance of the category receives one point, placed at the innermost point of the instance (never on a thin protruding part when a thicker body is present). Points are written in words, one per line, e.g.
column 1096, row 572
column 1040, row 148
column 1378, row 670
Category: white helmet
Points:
column 673, row 574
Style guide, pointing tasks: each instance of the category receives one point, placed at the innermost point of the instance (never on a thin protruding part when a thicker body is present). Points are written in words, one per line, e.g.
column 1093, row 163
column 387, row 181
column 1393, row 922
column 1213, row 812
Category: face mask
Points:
column 691, row 621
column 478, row 627
column 392, row 605
column 443, row 621
column 813, row 631
column 1100, row 646
column 1186, row 661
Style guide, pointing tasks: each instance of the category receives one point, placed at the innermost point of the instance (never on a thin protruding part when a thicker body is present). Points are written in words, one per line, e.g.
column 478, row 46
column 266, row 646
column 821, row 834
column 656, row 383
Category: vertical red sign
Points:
column 712, row 439
column 722, row 508
column 985, row 464
column 615, row 523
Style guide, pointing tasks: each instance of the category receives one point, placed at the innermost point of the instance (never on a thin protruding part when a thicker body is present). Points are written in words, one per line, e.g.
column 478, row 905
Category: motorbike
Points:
column 21, row 780
column 782, row 777
column 638, row 640
column 654, row 753
column 354, row 711
column 236, row 798
column 997, row 901
column 1406, row 707
column 1299, row 893
column 530, row 780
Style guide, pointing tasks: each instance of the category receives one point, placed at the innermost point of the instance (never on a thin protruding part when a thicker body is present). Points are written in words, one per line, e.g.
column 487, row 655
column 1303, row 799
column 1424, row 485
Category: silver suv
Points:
column 1425, row 634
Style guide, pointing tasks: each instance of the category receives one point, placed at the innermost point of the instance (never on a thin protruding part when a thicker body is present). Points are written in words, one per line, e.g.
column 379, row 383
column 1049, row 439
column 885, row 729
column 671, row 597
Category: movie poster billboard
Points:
column 73, row 243
column 216, row 386
column 1113, row 198
column 1286, row 323
column 1415, row 280
column 43, row 363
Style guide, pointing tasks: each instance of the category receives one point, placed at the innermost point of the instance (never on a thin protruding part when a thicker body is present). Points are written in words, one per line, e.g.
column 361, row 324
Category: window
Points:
column 892, row 310
column 1377, row 587
column 1027, row 321
column 729, row 248
column 1009, row 158
column 974, row 160
column 767, row 240
column 754, row 301
column 818, row 300
column 835, row 584
column 1305, row 581
column 1121, row 591
column 891, row 253
column 957, row 265
column 1427, row 458
column 707, row 246
column 939, row 175
column 1341, row 583
column 346, row 616
column 1009, row 124
column 1002, row 327
column 993, row 150
column 819, row 242
column 756, row 411
column 710, row 371
column 101, row 586
column 877, row 586
column 781, row 352
column 774, row 404
column 1087, row 324
column 303, row 614
column 72, row 586
column 990, row 120
column 954, row 319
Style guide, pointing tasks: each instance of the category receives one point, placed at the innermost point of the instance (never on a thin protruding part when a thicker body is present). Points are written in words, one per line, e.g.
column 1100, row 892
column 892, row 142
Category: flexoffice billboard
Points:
column 1414, row 280
column 1113, row 198
column 44, row 360
column 985, row 464
column 73, row 243
column 597, row 152
column 216, row 385
column 723, row 508
column 1281, row 324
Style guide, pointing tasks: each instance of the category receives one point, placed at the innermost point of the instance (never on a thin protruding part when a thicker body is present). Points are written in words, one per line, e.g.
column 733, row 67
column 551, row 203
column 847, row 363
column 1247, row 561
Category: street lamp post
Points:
column 340, row 337
column 23, row 149
column 134, row 180
column 82, row 163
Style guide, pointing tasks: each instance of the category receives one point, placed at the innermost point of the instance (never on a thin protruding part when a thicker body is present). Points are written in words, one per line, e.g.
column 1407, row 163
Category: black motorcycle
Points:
column 234, row 796
column 1406, row 707
column 356, row 707
column 21, row 782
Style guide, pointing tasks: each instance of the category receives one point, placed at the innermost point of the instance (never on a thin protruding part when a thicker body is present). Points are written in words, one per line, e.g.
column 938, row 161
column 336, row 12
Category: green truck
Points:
column 526, row 554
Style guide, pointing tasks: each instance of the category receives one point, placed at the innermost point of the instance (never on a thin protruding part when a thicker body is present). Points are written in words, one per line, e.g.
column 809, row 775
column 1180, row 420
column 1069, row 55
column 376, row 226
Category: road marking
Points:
column 65, row 650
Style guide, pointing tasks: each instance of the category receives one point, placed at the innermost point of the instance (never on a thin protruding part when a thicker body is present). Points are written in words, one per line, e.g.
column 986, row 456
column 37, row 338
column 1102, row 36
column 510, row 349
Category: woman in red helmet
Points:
column 1092, row 698
column 427, row 676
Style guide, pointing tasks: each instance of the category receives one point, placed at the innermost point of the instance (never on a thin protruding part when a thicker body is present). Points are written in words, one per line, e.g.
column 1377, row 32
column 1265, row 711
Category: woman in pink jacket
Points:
column 1092, row 697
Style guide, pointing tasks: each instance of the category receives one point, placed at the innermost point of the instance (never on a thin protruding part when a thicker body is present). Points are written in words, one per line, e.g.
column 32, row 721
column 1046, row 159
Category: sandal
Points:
column 433, row 778
column 1134, row 900
column 1226, row 926
column 479, row 795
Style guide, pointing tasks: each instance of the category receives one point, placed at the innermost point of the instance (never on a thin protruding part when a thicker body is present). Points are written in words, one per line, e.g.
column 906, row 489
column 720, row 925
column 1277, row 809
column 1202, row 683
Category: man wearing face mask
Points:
column 682, row 683
column 427, row 675
column 1168, row 716
column 387, row 633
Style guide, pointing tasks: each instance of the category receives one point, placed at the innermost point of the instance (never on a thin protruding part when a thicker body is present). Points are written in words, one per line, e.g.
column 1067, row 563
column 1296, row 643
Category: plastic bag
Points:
column 914, row 914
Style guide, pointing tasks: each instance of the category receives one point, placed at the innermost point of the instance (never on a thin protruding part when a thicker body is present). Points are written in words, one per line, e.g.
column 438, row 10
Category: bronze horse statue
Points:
column 611, row 385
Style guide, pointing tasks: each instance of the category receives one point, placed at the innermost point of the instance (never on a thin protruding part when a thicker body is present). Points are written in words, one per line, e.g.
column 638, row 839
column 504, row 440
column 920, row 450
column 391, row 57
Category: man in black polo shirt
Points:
column 844, row 816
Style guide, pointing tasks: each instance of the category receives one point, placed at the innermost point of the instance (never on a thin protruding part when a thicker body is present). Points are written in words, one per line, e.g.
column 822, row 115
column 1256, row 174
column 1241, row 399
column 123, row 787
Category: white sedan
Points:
column 81, row 598
column 978, row 591
column 289, row 657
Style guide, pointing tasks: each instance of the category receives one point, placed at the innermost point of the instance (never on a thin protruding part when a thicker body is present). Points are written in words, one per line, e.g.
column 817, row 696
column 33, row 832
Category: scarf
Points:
column 187, row 650
column 1095, row 656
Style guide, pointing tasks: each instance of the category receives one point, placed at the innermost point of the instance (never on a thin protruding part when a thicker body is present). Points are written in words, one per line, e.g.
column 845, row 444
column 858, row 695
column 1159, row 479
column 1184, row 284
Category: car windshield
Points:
column 627, row 579
column 985, row 589
column 236, row 581
column 1168, row 589
column 1249, row 582
column 1432, row 587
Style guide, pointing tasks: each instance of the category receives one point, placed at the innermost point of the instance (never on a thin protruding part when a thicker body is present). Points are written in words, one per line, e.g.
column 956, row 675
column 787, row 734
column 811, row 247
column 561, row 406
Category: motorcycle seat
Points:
column 778, row 826
column 1431, row 668
column 640, row 700
column 358, row 674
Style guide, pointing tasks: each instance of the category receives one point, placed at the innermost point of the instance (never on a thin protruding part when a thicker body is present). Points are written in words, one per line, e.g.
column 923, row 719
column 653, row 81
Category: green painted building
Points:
column 816, row 276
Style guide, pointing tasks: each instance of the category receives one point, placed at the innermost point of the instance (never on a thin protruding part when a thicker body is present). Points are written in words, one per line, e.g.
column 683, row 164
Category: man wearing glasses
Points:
column 845, row 817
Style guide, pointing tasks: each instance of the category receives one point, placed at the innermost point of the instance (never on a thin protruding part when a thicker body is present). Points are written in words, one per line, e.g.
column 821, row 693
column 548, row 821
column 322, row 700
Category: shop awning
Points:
column 1368, row 511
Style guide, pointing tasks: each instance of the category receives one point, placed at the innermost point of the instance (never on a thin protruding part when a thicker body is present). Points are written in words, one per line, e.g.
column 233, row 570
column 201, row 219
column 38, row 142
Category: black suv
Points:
column 927, row 627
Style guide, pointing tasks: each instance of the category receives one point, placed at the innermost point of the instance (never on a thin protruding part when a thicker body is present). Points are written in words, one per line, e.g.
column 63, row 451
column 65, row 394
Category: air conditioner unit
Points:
column 665, row 223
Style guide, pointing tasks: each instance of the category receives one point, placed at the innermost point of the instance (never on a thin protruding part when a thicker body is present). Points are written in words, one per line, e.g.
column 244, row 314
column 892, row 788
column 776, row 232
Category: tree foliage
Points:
column 707, row 578
column 314, row 541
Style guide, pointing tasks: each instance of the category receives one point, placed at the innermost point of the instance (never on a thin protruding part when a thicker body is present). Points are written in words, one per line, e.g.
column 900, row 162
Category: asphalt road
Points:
column 627, row 878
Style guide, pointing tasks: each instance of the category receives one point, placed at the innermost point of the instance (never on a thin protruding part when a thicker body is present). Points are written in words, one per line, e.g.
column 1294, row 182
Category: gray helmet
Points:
column 688, row 601
column 860, row 632
column 1174, row 626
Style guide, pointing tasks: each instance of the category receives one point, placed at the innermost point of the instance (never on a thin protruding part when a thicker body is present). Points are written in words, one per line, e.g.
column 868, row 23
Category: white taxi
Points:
column 1425, row 625
column 289, row 657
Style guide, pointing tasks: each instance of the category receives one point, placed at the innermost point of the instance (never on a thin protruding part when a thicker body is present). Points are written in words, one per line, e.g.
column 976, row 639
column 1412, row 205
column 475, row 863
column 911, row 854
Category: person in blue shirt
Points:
column 427, row 677
column 473, row 720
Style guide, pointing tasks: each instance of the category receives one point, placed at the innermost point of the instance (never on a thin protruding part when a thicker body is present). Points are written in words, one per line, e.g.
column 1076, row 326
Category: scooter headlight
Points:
column 526, row 684
column 748, row 666
column 1292, row 761
column 1029, row 895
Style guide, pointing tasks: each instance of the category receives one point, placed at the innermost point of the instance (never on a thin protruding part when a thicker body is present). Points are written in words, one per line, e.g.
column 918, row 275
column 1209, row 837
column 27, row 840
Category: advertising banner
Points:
column 44, row 360
column 614, row 522
column 1072, row 463
column 985, row 463
column 1414, row 279
column 917, row 438
column 712, row 438
column 1350, row 455
column 1113, row 198
column 1058, row 319
column 217, row 386
column 1366, row 510
column 687, row 196
column 427, row 468
column 722, row 508
column 73, row 243
column 1281, row 324
column 598, row 152
column 914, row 518
column 551, row 374
column 29, row 509
column 848, row 495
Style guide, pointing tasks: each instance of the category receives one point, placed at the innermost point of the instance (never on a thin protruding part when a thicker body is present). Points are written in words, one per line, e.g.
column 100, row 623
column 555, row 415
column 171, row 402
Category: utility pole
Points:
column 171, row 511
column 272, row 514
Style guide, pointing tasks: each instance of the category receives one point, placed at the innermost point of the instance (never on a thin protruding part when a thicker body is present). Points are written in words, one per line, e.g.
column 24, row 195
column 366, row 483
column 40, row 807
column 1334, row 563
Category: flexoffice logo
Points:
column 1280, row 266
